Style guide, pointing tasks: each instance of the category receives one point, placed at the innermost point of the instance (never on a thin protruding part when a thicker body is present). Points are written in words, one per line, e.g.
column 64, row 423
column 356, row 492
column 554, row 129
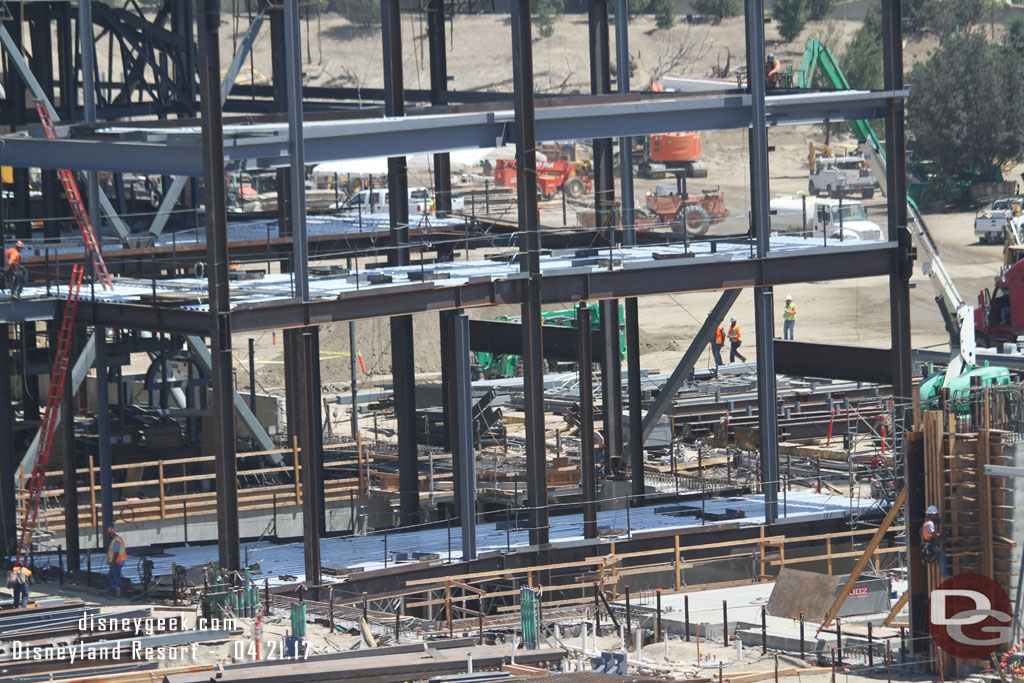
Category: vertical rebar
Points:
column 657, row 624
column 725, row 623
column 764, row 630
column 686, row 615
column 629, row 618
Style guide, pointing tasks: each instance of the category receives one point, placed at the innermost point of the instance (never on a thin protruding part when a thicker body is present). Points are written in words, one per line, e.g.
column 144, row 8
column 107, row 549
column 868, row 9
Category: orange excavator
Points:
column 669, row 152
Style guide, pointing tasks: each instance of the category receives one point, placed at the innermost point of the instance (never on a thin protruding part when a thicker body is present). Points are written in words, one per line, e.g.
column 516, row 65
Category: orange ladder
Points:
column 50, row 419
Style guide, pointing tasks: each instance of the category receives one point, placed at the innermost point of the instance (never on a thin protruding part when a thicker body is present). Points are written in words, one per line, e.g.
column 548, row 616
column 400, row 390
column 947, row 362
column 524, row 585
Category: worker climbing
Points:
column 12, row 269
column 772, row 70
column 931, row 551
column 117, row 553
column 735, row 340
column 17, row 581
column 716, row 346
column 789, row 318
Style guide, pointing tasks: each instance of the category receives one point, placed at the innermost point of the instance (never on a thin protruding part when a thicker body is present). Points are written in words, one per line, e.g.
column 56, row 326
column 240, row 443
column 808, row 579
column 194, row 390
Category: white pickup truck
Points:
column 813, row 216
column 988, row 225
column 421, row 202
column 842, row 176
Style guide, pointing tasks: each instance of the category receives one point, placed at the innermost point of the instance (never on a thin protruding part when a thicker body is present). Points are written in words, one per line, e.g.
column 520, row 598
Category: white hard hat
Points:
column 789, row 297
column 932, row 510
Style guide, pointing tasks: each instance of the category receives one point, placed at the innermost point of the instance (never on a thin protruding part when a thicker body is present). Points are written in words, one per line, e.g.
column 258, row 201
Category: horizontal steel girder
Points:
column 264, row 145
column 570, row 285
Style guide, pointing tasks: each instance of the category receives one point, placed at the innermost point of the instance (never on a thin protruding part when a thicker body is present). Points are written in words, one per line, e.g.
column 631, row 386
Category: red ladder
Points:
column 49, row 427
column 67, row 179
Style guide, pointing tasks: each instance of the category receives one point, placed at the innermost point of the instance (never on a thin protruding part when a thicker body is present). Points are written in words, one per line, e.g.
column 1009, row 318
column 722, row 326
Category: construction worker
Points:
column 17, row 581
column 788, row 318
column 772, row 70
column 12, row 270
column 117, row 552
column 930, row 548
column 716, row 346
column 735, row 340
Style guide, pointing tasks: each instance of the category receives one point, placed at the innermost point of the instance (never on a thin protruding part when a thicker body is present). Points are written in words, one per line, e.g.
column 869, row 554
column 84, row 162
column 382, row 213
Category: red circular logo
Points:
column 969, row 616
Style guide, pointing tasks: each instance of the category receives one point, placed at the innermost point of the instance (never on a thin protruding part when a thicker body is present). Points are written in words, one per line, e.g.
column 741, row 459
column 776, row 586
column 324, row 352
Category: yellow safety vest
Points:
column 790, row 313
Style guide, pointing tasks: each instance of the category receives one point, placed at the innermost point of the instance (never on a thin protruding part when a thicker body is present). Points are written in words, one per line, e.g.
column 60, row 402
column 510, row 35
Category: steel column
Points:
column 587, row 462
column 103, row 428
column 311, row 444
column 529, row 245
column 8, row 462
column 403, row 367
column 71, row 531
column 438, row 88
column 217, row 278
column 462, row 433
column 764, row 326
column 448, row 397
column 296, row 150
column 633, row 389
column 899, row 297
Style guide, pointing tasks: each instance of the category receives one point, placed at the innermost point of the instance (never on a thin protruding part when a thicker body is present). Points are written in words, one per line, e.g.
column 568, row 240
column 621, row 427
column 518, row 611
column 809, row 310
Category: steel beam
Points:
column 438, row 92
column 462, row 434
column 685, row 366
column 498, row 336
column 266, row 145
column 761, row 231
column 529, row 245
column 587, row 461
column 219, row 296
column 834, row 361
column 311, row 445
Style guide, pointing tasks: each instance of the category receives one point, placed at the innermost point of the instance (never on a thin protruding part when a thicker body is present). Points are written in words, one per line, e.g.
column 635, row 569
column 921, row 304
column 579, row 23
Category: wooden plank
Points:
column 900, row 604
column 865, row 557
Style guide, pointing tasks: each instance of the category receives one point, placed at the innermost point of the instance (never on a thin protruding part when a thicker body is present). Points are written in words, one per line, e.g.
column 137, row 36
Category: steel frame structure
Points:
column 295, row 133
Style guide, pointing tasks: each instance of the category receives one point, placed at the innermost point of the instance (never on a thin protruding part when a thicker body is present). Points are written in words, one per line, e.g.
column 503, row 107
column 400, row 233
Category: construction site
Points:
column 262, row 423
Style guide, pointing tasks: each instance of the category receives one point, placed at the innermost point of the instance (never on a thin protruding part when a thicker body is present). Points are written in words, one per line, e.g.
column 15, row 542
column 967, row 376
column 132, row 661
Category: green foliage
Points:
column 634, row 7
column 1015, row 35
column 946, row 16
column 363, row 13
column 790, row 16
column 819, row 8
column 963, row 111
column 664, row 13
column 862, row 61
column 719, row 9
column 547, row 10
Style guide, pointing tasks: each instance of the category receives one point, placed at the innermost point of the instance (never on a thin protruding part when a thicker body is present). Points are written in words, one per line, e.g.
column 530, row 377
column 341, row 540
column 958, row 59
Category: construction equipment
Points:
column 656, row 155
column 673, row 206
column 961, row 372
column 839, row 172
column 67, row 179
column 552, row 176
column 58, row 375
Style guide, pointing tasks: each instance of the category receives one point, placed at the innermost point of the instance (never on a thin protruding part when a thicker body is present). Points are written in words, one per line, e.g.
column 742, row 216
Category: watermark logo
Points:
column 969, row 616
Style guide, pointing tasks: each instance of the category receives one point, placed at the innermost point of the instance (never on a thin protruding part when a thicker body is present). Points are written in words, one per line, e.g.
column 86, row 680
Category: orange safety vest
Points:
column 720, row 337
column 734, row 333
column 13, row 256
column 929, row 532
column 121, row 553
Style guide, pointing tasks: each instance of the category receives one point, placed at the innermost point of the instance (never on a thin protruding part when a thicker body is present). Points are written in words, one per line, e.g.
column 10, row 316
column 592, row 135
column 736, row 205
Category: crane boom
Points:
column 956, row 312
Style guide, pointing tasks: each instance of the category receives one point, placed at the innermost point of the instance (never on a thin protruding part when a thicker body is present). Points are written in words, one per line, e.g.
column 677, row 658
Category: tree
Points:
column 547, row 10
column 1014, row 38
column 962, row 110
column 363, row 13
column 664, row 13
column 862, row 61
column 791, row 16
column 719, row 9
column 946, row 16
column 819, row 8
